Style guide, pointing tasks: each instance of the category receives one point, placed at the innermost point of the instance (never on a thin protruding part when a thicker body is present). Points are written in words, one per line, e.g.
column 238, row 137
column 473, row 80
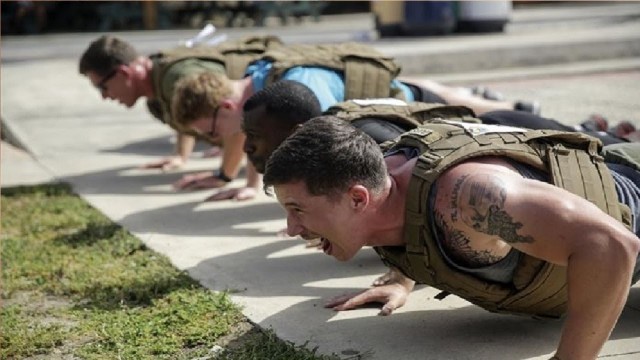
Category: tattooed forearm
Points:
column 456, row 245
column 481, row 200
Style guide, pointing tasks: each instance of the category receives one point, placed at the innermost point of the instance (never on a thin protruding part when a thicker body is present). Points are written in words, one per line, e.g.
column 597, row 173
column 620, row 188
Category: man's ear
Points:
column 358, row 197
column 128, row 70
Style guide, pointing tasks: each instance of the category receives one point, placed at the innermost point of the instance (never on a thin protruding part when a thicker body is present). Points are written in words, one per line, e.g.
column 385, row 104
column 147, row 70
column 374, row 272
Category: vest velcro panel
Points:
column 411, row 115
column 365, row 79
column 240, row 53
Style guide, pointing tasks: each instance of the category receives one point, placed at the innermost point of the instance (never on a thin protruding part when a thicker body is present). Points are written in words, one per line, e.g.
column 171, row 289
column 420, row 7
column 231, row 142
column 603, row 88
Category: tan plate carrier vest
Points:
column 410, row 115
column 234, row 55
column 538, row 288
column 367, row 72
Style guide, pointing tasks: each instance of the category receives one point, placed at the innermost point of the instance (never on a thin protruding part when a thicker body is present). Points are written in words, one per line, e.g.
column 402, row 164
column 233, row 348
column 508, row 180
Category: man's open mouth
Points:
column 326, row 246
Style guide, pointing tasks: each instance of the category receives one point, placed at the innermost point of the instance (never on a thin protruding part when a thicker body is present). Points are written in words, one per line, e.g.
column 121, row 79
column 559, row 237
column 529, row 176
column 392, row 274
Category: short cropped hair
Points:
column 329, row 155
column 105, row 54
column 198, row 95
column 289, row 101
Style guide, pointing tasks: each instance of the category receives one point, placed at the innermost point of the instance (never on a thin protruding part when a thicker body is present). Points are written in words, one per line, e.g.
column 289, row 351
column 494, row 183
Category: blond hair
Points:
column 197, row 96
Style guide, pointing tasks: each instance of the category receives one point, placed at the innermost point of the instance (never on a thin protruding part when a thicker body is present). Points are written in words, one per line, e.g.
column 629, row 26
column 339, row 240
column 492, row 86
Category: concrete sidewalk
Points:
column 73, row 136
column 235, row 246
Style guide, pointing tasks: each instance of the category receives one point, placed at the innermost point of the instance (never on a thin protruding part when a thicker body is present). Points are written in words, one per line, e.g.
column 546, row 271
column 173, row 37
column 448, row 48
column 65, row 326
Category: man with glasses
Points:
column 120, row 73
column 333, row 72
column 102, row 84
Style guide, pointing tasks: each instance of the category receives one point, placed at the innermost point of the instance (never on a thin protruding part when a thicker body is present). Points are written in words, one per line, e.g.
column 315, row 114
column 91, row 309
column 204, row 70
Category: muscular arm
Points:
column 233, row 154
column 231, row 160
column 494, row 208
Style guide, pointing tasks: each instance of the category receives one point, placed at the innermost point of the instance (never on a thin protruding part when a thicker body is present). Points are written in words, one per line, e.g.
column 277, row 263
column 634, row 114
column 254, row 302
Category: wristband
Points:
column 222, row 176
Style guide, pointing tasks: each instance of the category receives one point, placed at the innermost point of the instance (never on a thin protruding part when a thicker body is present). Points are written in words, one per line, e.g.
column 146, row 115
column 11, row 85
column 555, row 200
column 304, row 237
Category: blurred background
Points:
column 392, row 18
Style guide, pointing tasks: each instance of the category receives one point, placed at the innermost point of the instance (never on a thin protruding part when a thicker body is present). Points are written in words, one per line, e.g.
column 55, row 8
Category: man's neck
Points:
column 244, row 89
column 390, row 206
column 143, row 67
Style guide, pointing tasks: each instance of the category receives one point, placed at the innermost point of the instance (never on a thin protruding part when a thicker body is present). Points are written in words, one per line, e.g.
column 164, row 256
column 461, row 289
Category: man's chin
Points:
column 259, row 165
column 341, row 257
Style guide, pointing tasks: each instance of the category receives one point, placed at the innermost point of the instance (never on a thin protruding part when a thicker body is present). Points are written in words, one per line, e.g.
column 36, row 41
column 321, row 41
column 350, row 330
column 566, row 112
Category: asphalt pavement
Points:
column 69, row 134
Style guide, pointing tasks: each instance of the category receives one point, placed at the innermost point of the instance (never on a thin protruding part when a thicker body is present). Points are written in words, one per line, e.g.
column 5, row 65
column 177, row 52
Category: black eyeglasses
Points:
column 102, row 84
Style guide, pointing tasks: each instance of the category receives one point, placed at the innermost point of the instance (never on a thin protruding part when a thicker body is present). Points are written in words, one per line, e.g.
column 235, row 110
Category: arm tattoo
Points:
column 454, row 197
column 456, row 244
column 481, row 201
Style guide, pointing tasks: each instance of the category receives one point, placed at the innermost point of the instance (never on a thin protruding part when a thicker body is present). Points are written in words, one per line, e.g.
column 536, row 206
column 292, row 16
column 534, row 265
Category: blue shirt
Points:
column 326, row 84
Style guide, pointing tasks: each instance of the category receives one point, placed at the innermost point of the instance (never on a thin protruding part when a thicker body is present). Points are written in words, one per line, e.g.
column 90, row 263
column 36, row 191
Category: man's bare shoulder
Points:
column 472, row 214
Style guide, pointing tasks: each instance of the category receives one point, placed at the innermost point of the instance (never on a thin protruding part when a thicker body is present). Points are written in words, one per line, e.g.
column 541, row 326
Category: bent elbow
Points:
column 625, row 248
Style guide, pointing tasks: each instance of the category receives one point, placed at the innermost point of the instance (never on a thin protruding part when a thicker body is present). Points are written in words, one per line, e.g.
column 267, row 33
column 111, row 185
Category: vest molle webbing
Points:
column 410, row 114
column 367, row 72
column 234, row 55
column 572, row 162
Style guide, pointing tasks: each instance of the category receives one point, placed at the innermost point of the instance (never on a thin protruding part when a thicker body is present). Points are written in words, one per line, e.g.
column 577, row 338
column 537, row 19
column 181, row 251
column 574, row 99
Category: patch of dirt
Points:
column 241, row 333
column 42, row 306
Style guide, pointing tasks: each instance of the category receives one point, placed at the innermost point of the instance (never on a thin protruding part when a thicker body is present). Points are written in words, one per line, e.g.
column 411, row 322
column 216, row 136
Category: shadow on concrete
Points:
column 159, row 146
column 129, row 180
column 466, row 332
column 412, row 333
column 278, row 267
column 186, row 219
column 463, row 333
column 176, row 213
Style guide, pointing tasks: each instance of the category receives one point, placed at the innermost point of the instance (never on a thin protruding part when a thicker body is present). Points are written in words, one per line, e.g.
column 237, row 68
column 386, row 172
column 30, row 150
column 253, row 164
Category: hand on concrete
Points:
column 240, row 194
column 392, row 296
column 168, row 163
column 198, row 181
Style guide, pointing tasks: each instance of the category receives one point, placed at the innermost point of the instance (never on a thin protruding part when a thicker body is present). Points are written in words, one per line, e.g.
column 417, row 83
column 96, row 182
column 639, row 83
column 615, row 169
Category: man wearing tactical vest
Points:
column 512, row 220
column 271, row 114
column 334, row 73
column 274, row 112
column 119, row 72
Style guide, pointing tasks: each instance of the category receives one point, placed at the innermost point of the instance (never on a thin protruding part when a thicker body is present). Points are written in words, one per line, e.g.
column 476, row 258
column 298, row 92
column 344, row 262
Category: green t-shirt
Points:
column 177, row 71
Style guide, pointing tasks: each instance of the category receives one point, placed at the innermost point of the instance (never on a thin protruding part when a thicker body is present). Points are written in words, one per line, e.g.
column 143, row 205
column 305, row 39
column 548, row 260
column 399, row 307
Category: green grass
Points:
column 76, row 284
